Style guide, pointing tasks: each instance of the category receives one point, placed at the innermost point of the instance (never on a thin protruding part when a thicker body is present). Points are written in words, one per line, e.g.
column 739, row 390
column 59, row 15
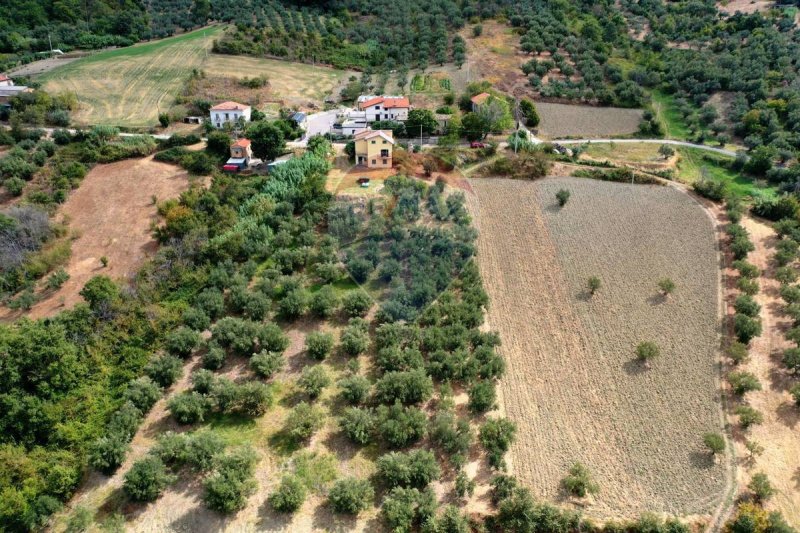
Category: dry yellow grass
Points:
column 573, row 385
column 131, row 86
column 297, row 83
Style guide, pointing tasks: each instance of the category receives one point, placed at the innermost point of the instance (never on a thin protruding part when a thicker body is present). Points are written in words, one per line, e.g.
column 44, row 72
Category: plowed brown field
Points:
column 573, row 385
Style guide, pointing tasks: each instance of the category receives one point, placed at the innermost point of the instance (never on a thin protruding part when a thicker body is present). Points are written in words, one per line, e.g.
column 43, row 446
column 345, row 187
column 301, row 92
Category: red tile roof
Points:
column 388, row 103
column 230, row 106
column 368, row 134
column 244, row 143
column 478, row 99
column 3, row 77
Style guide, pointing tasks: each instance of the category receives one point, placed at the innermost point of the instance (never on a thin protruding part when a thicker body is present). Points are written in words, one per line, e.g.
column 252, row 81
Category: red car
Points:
column 477, row 144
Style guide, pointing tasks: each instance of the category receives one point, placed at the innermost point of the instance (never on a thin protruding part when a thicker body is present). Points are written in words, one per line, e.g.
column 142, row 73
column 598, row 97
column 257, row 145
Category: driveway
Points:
column 320, row 123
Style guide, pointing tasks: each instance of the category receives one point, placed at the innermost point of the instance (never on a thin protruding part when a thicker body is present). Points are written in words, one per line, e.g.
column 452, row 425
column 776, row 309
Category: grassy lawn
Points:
column 695, row 163
column 668, row 114
column 632, row 152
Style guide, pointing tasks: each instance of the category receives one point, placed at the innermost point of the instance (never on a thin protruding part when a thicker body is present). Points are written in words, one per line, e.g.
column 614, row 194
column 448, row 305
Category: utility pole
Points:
column 420, row 137
column 49, row 40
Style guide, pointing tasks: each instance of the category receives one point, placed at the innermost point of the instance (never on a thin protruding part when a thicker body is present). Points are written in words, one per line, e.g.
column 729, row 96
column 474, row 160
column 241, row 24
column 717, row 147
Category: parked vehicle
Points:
column 477, row 144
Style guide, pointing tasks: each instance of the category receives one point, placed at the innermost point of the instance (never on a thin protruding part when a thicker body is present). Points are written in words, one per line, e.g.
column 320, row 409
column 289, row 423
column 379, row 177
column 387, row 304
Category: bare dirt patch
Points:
column 744, row 6
column 562, row 120
column 572, row 384
column 110, row 214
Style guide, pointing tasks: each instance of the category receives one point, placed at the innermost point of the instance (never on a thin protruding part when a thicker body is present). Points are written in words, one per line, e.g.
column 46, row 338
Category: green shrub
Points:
column 746, row 305
column 417, row 468
column 188, row 407
column 293, row 304
column 226, row 489
column 182, row 342
column 737, row 352
column 356, row 303
column 579, row 481
column 496, row 436
column 197, row 319
column 164, row 369
column 401, row 426
column 743, row 382
column 214, row 357
column 355, row 337
column 747, row 286
column 289, row 496
column 409, row 387
column 746, row 328
column 313, row 380
column 482, row 397
column 266, row 364
column 746, row 270
column 324, row 302
column 319, row 345
column 147, row 479
column 748, row 416
column 303, row 421
column 107, row 453
column 714, row 442
column 358, row 424
column 143, row 393
column 350, row 496
column 354, row 389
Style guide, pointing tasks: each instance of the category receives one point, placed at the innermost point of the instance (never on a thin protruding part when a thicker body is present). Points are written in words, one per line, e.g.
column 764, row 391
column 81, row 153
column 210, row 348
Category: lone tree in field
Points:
column 714, row 442
column 666, row 286
column 562, row 196
column 579, row 481
column 646, row 351
column 666, row 151
column 593, row 284
column 760, row 486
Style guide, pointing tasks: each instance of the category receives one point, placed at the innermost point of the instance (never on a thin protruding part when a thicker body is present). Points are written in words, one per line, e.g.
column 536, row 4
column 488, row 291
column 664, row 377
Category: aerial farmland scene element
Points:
column 435, row 266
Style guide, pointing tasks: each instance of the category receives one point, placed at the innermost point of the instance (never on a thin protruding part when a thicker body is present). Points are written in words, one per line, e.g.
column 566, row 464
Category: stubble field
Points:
column 131, row 86
column 563, row 120
column 573, row 385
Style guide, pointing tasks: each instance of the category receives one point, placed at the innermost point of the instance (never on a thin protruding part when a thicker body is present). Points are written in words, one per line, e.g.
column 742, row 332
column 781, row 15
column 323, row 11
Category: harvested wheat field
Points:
column 573, row 384
column 586, row 122
column 110, row 215
column 294, row 83
column 130, row 86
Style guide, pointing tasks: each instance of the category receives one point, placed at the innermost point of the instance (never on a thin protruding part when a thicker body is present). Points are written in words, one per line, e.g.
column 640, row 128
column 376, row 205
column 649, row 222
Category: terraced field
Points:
column 573, row 384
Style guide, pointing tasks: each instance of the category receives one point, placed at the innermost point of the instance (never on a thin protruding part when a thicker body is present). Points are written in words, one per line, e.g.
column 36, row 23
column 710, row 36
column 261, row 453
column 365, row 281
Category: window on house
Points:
column 386, row 115
column 384, row 153
column 385, row 162
column 226, row 116
column 373, row 142
column 374, row 161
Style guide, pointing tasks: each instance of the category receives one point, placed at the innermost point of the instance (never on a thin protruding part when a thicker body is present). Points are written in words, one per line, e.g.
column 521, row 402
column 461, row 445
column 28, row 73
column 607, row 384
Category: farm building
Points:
column 479, row 99
column 301, row 119
column 229, row 112
column 374, row 148
column 241, row 154
column 8, row 92
column 384, row 107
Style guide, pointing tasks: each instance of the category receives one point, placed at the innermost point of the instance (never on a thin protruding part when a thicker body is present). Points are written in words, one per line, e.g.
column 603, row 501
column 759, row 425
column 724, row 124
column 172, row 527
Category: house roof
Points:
column 389, row 102
column 369, row 134
column 299, row 116
column 243, row 143
column 478, row 99
column 3, row 77
column 230, row 106
column 14, row 90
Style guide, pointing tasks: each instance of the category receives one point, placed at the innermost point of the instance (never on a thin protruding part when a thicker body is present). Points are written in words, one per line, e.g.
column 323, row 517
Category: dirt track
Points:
column 577, row 392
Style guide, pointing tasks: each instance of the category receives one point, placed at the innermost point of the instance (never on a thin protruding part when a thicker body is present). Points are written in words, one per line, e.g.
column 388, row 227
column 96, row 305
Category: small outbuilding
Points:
column 301, row 119
column 241, row 154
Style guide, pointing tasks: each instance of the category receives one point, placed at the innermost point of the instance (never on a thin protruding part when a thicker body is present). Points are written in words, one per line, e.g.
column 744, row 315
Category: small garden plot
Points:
column 575, row 385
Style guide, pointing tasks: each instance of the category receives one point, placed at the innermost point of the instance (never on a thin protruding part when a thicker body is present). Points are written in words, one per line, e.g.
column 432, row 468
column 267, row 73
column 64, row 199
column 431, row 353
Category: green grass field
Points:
column 670, row 117
column 131, row 86
column 695, row 163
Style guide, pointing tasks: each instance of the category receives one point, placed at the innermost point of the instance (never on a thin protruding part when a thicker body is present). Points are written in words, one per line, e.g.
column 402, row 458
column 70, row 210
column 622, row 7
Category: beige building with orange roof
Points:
column 374, row 148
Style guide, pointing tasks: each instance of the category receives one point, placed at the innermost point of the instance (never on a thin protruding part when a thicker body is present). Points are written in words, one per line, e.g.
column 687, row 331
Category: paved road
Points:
column 720, row 151
column 320, row 123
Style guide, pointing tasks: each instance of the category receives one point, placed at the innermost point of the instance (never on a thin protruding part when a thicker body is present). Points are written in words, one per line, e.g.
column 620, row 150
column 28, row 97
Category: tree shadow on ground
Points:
column 788, row 414
column 634, row 367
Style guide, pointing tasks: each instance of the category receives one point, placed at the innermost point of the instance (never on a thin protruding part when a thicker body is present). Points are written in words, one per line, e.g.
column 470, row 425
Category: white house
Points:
column 384, row 107
column 229, row 112
column 5, row 81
